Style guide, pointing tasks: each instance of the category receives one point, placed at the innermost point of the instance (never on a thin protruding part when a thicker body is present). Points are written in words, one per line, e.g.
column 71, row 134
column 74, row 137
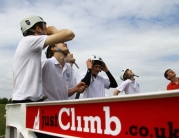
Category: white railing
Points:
column 148, row 114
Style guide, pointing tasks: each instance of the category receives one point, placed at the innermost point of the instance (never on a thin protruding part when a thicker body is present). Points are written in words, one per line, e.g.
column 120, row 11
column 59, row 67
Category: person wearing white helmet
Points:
column 57, row 75
column 129, row 84
column 96, row 83
column 27, row 59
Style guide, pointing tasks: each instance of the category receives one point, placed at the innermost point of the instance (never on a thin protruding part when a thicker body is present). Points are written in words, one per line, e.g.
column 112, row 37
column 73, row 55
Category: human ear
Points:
column 53, row 48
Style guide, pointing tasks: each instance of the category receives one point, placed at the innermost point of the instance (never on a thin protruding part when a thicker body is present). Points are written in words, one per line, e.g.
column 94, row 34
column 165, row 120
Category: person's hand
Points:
column 104, row 67
column 51, row 30
column 89, row 63
column 81, row 87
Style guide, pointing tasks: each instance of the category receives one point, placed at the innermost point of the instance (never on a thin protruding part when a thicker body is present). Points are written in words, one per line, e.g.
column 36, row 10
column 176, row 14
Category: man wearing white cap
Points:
column 129, row 84
column 96, row 83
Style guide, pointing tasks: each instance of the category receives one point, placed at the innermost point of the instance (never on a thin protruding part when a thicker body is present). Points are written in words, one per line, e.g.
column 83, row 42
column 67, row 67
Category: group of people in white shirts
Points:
column 54, row 76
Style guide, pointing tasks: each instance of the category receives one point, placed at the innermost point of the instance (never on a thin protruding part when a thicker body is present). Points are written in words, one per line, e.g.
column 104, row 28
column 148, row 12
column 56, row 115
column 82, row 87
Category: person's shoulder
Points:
column 126, row 82
column 34, row 37
column 169, row 87
column 102, row 77
column 46, row 61
column 170, row 83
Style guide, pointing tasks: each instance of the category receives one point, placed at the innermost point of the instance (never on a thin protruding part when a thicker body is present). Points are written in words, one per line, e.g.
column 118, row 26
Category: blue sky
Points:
column 141, row 35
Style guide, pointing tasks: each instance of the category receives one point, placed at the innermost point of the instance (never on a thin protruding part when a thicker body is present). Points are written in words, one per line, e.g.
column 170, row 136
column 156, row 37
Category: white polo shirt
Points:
column 74, row 82
column 129, row 87
column 97, row 87
column 56, row 81
column 27, row 68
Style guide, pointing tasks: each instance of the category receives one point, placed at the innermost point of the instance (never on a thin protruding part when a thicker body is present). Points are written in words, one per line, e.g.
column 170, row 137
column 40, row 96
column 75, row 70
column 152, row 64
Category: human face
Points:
column 40, row 30
column 96, row 69
column 63, row 47
column 45, row 27
column 129, row 72
column 170, row 74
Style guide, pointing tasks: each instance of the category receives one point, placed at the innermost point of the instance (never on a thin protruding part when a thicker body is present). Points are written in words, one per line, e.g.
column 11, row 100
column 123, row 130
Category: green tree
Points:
column 4, row 101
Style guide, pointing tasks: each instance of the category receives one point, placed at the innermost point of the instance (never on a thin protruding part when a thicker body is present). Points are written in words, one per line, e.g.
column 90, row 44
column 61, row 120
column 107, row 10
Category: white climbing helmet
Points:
column 28, row 22
column 122, row 74
column 94, row 57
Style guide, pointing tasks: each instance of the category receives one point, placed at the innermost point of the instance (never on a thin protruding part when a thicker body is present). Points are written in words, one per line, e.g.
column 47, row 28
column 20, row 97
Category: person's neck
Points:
column 94, row 75
column 60, row 57
column 174, row 80
column 132, row 78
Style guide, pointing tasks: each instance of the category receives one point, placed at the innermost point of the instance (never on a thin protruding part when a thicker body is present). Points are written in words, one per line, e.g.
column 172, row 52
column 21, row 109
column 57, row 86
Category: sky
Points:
column 141, row 35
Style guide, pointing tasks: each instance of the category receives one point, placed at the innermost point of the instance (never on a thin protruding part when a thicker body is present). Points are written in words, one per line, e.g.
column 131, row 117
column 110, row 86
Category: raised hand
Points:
column 104, row 67
column 89, row 63
column 51, row 30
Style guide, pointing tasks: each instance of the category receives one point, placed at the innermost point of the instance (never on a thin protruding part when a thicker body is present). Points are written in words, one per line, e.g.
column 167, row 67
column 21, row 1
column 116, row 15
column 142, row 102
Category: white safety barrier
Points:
column 154, row 115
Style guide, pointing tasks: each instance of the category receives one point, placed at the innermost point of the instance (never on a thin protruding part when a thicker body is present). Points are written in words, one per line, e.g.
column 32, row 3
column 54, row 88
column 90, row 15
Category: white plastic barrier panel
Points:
column 147, row 115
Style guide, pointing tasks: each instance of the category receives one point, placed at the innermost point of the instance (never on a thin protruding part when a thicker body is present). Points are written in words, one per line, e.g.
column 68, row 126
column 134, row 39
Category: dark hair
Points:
column 97, row 62
column 28, row 32
column 165, row 74
column 49, row 52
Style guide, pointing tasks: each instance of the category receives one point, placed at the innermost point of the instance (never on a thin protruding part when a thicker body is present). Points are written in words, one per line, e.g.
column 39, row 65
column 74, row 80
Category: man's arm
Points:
column 113, row 83
column 80, row 87
column 58, row 36
column 87, row 78
column 116, row 92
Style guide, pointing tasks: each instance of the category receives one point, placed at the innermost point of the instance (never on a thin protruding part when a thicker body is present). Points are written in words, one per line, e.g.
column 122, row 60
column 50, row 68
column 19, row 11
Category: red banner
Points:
column 150, row 118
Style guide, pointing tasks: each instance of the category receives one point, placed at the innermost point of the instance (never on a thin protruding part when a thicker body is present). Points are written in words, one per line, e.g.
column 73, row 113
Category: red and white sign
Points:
column 149, row 118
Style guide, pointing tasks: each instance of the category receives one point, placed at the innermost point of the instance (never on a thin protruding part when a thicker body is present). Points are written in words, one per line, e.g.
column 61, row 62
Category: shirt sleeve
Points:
column 37, row 42
column 123, row 86
column 169, row 87
column 106, row 83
